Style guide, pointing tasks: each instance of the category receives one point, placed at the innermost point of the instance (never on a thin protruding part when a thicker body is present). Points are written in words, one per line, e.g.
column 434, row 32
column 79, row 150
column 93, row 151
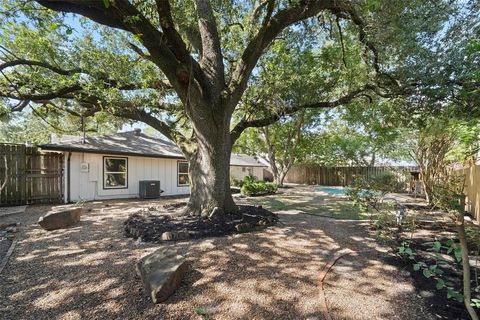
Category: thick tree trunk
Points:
column 427, row 190
column 279, row 178
column 209, row 172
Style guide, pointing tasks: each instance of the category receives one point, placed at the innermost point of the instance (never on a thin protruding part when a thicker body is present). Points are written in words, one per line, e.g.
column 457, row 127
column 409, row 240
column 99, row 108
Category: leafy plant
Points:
column 370, row 192
column 434, row 271
column 252, row 187
column 202, row 312
column 386, row 228
column 447, row 194
column 235, row 182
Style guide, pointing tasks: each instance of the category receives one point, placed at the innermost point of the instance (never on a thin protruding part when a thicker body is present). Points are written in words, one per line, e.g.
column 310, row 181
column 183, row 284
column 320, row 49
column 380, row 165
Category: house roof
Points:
column 239, row 159
column 133, row 143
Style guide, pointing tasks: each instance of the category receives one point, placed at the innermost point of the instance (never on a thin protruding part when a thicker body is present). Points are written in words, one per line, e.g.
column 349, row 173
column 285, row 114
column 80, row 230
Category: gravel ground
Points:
column 88, row 272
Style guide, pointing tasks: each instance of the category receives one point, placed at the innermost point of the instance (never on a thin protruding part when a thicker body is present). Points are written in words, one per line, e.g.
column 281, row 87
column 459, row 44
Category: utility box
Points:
column 149, row 189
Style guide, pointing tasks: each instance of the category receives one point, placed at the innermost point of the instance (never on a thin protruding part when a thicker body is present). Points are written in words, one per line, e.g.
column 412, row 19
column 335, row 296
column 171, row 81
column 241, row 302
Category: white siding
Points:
column 238, row 173
column 89, row 185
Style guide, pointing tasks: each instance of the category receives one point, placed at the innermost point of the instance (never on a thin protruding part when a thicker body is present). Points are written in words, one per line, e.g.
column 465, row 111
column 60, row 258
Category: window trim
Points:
column 178, row 174
column 104, row 173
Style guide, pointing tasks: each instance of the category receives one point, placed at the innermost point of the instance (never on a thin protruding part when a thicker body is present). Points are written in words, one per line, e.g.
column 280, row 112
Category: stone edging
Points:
column 9, row 253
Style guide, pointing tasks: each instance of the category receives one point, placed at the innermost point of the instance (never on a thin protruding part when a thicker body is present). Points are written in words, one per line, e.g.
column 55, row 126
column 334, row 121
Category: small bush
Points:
column 369, row 192
column 234, row 182
column 239, row 183
column 257, row 188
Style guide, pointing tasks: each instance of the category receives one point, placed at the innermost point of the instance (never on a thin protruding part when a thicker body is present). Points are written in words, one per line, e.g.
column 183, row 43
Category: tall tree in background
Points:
column 291, row 73
column 439, row 142
column 182, row 67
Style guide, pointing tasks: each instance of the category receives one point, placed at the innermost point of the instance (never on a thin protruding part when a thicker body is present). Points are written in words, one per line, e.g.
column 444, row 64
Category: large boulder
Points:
column 58, row 219
column 161, row 273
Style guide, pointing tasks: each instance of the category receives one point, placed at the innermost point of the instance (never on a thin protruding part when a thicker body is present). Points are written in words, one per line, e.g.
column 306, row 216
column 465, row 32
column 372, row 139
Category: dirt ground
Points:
column 88, row 272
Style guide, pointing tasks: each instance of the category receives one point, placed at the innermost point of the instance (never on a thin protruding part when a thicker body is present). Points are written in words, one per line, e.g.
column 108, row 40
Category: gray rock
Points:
column 168, row 236
column 172, row 235
column 59, row 219
column 182, row 235
column 426, row 294
column 244, row 227
column 263, row 223
column 161, row 273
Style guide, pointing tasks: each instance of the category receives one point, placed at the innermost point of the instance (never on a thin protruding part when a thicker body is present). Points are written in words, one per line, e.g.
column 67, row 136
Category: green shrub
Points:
column 369, row 192
column 257, row 188
column 239, row 183
column 234, row 182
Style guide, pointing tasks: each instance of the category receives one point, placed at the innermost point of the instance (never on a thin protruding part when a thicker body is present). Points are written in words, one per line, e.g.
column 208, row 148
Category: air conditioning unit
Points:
column 149, row 189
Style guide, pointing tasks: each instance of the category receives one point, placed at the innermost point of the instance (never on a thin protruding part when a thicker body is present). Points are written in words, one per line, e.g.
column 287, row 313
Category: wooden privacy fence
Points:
column 29, row 176
column 342, row 176
column 472, row 189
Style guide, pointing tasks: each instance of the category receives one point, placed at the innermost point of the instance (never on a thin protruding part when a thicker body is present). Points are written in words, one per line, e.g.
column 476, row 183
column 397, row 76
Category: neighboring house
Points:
column 242, row 165
column 111, row 166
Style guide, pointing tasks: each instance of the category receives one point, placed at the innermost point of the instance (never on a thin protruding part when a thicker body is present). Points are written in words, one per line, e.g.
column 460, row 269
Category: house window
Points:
column 115, row 172
column 182, row 174
column 244, row 169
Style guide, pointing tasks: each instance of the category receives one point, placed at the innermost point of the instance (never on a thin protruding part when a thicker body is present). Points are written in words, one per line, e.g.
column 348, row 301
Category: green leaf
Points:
column 54, row 26
column 416, row 266
column 427, row 273
column 106, row 3
column 437, row 246
column 458, row 254
column 475, row 303
column 202, row 312
column 440, row 284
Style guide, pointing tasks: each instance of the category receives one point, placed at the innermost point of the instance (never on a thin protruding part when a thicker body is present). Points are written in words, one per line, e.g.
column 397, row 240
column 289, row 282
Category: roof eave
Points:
column 133, row 154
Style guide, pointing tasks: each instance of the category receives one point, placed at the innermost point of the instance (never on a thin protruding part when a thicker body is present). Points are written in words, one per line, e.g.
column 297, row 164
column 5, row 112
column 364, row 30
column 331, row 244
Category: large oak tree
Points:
column 181, row 67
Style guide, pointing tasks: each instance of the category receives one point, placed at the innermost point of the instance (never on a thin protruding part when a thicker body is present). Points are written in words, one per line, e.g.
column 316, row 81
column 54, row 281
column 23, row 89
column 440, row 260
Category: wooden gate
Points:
column 29, row 176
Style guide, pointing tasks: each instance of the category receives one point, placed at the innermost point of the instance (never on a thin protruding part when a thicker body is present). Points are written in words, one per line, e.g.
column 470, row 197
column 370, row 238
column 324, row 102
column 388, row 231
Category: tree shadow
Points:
column 88, row 271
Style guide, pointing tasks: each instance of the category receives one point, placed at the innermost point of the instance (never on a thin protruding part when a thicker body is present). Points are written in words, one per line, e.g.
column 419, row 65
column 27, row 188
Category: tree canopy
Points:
column 201, row 72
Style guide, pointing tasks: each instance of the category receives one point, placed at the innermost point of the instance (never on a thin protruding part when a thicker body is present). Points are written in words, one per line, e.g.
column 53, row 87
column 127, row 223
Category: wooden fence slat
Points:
column 32, row 176
column 342, row 176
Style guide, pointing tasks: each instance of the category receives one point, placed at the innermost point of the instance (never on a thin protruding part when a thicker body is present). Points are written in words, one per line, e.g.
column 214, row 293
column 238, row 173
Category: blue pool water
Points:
column 335, row 191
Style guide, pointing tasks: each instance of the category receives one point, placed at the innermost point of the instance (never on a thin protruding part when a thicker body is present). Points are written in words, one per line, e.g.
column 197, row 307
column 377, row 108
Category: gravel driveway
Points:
column 88, row 272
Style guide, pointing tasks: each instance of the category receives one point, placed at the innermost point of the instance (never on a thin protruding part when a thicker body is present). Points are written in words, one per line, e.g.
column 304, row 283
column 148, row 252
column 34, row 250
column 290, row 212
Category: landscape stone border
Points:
column 5, row 259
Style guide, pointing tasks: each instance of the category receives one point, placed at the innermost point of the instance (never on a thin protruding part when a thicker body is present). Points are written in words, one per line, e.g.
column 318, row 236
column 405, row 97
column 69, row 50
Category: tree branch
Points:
column 26, row 62
column 244, row 124
column 174, row 40
column 169, row 56
column 65, row 92
column 269, row 30
column 212, row 58
column 34, row 97
column 134, row 113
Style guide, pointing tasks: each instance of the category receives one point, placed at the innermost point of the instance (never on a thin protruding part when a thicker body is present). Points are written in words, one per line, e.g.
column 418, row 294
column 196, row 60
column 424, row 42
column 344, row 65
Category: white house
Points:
column 112, row 166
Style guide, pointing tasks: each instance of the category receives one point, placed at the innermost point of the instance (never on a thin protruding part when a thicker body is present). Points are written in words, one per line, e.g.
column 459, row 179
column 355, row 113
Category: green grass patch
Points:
column 338, row 208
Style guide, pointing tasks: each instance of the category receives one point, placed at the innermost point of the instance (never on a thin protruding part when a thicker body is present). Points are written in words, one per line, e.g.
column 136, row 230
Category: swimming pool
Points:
column 334, row 191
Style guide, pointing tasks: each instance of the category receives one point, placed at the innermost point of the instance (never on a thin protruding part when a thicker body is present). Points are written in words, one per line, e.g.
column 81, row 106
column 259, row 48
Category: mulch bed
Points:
column 157, row 224
column 436, row 300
